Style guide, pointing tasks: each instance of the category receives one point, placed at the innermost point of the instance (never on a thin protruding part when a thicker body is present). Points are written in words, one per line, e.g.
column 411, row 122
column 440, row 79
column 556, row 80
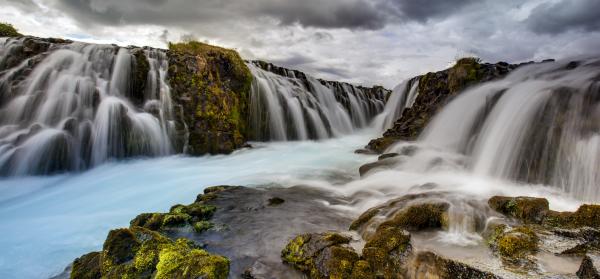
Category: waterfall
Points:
column 402, row 97
column 78, row 105
column 538, row 125
column 288, row 105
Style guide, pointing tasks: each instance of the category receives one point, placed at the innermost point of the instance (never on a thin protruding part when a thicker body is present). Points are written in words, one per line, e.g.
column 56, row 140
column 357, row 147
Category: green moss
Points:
column 419, row 217
column 87, row 266
column 293, row 252
column 175, row 220
column 526, row 209
column 202, row 226
column 182, row 261
column 389, row 238
column 362, row 270
column 517, row 243
column 7, row 30
column 120, row 247
column 151, row 221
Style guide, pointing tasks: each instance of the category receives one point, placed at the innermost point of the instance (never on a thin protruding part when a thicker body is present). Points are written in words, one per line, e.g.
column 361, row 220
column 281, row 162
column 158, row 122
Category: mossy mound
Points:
column 514, row 244
column 211, row 86
column 178, row 216
column 420, row 217
column 526, row 209
column 137, row 252
column 322, row 255
column 7, row 30
column 536, row 211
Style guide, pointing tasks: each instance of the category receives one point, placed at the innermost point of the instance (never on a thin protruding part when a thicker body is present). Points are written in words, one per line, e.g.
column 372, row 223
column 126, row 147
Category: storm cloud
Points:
column 360, row 41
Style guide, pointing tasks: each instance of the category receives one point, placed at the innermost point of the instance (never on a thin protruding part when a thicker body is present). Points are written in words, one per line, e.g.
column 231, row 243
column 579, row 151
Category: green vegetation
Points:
column 7, row 30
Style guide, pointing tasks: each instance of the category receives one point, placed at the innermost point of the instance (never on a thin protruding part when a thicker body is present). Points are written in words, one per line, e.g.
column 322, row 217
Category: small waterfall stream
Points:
column 287, row 107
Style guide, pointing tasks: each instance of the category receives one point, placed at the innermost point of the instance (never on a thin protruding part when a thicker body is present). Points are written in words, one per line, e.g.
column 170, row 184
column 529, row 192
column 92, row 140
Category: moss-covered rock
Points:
column 387, row 252
column 178, row 216
column 7, row 30
column 181, row 260
column 514, row 244
column 420, row 216
column 211, row 85
column 322, row 255
column 202, row 226
column 87, row 266
column 526, row 209
column 137, row 252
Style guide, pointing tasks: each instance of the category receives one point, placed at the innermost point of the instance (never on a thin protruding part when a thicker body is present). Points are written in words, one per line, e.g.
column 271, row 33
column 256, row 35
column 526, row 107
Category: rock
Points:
column 386, row 163
column 514, row 244
column 321, row 255
column 526, row 209
column 420, row 216
column 275, row 201
column 429, row 265
column 364, row 151
column 195, row 214
column 210, row 87
column 387, row 252
column 590, row 267
column 387, row 155
column 87, row 266
column 141, row 253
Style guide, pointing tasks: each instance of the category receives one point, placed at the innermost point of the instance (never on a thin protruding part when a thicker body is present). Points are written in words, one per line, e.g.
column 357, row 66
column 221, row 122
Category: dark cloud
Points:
column 423, row 10
column 554, row 18
column 349, row 14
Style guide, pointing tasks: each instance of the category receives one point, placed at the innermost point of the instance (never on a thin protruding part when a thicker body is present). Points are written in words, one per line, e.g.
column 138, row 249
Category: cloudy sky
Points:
column 361, row 41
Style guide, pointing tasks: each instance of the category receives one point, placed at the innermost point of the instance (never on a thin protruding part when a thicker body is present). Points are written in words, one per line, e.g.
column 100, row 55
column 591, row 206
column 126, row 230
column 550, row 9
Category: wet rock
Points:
column 386, row 163
column 365, row 151
column 275, row 201
column 526, row 209
column 387, row 155
column 387, row 252
column 586, row 216
column 420, row 217
column 210, row 87
column 87, row 266
column 514, row 245
column 141, row 253
column 590, row 267
column 321, row 255
column 430, row 265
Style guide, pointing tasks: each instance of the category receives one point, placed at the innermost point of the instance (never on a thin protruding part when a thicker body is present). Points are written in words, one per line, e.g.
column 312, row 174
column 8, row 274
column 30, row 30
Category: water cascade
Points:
column 289, row 105
column 538, row 125
column 78, row 105
column 402, row 97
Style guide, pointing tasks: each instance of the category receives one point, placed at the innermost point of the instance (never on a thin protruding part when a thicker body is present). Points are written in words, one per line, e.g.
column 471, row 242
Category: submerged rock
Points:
column 430, row 265
column 590, row 267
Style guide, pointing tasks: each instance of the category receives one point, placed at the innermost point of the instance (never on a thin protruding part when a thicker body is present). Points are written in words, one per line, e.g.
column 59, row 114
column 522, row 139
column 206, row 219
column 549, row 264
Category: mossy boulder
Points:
column 7, row 30
column 141, row 253
column 387, row 252
column 587, row 215
column 514, row 243
column 211, row 88
column 178, row 216
column 525, row 209
column 420, row 217
column 322, row 255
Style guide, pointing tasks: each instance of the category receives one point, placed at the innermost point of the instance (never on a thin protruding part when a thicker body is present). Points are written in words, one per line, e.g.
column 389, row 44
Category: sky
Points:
column 367, row 42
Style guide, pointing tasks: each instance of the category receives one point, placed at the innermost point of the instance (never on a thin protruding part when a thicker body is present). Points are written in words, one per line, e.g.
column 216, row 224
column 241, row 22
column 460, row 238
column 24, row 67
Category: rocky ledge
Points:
column 238, row 232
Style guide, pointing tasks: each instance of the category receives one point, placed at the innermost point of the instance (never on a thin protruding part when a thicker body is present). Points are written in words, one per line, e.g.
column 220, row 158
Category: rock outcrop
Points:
column 434, row 91
column 210, row 87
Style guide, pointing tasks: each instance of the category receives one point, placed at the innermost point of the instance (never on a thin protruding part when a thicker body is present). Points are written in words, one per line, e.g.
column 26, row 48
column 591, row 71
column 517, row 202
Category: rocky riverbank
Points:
column 238, row 232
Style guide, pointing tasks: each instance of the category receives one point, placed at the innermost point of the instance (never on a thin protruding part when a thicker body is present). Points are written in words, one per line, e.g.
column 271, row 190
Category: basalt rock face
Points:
column 210, row 87
column 434, row 91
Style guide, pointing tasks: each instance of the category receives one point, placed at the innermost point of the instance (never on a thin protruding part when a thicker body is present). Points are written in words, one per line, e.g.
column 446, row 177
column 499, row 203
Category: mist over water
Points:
column 49, row 221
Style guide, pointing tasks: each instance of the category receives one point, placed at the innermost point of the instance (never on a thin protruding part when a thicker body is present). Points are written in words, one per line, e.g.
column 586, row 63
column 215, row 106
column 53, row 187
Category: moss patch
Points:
column 7, row 30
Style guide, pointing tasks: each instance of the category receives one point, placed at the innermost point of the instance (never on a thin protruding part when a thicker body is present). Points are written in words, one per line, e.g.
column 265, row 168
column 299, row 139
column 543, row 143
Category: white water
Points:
column 402, row 97
column 75, row 109
column 285, row 107
column 46, row 222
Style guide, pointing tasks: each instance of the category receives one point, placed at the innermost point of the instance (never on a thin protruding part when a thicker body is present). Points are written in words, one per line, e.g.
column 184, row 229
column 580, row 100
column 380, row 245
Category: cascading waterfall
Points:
column 538, row 125
column 286, row 107
column 78, row 105
column 402, row 97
